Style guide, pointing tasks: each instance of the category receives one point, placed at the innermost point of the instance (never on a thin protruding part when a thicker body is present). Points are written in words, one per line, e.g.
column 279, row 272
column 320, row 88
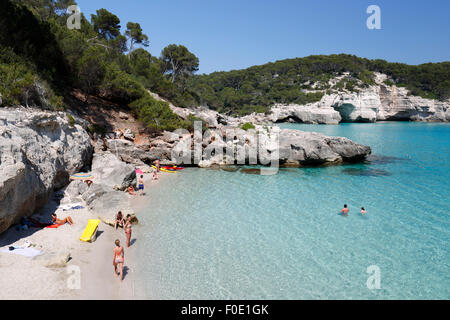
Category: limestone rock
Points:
column 311, row 113
column 39, row 150
column 53, row 260
column 108, row 170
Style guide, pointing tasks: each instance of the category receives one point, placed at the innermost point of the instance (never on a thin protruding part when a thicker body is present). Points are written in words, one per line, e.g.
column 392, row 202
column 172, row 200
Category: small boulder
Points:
column 53, row 260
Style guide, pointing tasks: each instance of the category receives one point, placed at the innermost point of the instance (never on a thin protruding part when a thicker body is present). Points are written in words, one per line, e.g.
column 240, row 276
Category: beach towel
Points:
column 53, row 226
column 27, row 252
column 74, row 208
column 70, row 206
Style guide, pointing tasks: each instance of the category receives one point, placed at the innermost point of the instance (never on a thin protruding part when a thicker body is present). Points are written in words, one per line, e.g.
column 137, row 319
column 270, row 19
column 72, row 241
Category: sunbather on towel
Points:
column 61, row 222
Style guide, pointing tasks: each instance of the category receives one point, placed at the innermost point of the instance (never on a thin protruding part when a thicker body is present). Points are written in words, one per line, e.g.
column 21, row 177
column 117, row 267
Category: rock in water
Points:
column 39, row 150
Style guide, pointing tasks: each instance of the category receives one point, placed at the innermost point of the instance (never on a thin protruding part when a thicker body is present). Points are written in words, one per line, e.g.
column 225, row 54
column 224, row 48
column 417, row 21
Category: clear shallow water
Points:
column 221, row 235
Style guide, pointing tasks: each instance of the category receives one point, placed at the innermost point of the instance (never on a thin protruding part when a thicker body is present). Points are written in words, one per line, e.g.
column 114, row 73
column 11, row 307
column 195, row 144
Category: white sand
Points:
column 26, row 278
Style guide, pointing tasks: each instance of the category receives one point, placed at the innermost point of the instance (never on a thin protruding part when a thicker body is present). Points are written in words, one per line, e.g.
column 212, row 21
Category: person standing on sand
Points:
column 118, row 259
column 345, row 211
column 127, row 228
column 157, row 165
column 141, row 185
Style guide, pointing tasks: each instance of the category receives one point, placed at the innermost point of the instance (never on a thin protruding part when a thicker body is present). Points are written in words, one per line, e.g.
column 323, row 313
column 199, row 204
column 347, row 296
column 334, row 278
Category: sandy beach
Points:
column 29, row 278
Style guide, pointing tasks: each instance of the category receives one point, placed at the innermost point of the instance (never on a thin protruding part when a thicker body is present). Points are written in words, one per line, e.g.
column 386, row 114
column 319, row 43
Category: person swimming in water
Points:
column 345, row 211
column 363, row 211
column 118, row 259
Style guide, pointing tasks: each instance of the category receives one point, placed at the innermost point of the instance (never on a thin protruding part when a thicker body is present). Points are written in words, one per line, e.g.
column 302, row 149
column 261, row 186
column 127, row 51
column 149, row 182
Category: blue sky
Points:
column 232, row 34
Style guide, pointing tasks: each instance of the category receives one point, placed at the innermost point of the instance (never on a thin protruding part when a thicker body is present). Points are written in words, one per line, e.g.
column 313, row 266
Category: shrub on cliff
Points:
column 248, row 126
column 156, row 115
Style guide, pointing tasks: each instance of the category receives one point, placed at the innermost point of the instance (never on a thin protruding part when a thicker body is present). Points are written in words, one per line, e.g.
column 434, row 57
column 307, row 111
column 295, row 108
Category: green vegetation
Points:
column 95, row 128
column 291, row 81
column 247, row 126
column 42, row 61
column 71, row 120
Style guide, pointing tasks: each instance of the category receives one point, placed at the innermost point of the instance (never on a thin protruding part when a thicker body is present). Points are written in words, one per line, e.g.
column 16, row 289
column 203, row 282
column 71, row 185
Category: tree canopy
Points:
column 106, row 24
column 305, row 80
column 135, row 35
column 178, row 62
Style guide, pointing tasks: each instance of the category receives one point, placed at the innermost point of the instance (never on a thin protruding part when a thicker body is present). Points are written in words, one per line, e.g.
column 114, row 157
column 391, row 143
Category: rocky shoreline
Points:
column 377, row 102
column 39, row 150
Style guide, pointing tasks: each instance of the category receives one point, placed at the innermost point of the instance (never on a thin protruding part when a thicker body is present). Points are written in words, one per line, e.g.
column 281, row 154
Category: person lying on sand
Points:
column 55, row 220
column 119, row 220
column 131, row 191
column 345, row 211
column 118, row 259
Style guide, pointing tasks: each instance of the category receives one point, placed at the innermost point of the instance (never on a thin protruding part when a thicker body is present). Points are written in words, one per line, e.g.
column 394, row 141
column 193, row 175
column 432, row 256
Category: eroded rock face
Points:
column 311, row 148
column 109, row 171
column 398, row 105
column 270, row 145
column 375, row 103
column 38, row 152
column 312, row 114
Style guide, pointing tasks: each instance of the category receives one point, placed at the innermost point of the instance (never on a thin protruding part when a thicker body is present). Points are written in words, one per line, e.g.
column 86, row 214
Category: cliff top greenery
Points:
column 304, row 80
column 42, row 61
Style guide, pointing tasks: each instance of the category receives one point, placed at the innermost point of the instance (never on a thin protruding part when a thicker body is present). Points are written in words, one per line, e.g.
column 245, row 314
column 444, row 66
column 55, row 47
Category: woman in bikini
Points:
column 55, row 220
column 118, row 259
column 127, row 228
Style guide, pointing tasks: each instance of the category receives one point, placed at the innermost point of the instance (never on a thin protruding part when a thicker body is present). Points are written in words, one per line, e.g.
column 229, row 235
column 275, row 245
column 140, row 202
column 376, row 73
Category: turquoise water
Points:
column 211, row 234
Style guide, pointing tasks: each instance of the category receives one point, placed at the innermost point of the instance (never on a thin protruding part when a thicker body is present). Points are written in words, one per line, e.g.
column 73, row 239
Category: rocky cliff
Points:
column 38, row 152
column 379, row 102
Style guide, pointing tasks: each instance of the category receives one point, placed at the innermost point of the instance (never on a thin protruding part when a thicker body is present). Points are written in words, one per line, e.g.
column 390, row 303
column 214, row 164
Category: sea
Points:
column 214, row 234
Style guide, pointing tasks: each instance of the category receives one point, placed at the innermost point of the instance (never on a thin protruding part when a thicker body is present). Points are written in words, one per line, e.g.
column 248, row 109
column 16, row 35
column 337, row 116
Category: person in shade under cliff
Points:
column 345, row 211
column 141, row 185
column 55, row 220
column 118, row 259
